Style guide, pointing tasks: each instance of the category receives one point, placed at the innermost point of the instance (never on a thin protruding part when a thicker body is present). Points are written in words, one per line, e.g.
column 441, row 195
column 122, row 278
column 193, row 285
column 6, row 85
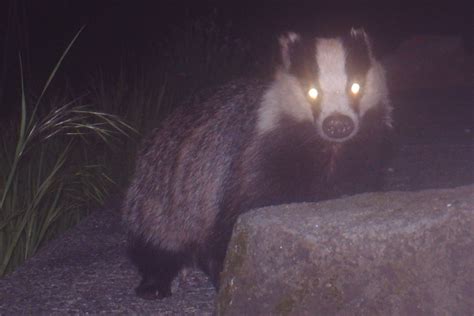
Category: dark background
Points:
column 40, row 30
column 44, row 27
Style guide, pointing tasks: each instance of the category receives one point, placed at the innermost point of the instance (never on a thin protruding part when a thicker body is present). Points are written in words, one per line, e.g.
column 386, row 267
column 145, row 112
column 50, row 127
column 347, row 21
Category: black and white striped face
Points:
column 331, row 81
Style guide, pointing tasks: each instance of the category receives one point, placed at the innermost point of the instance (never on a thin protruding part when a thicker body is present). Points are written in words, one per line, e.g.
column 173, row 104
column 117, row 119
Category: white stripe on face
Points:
column 331, row 60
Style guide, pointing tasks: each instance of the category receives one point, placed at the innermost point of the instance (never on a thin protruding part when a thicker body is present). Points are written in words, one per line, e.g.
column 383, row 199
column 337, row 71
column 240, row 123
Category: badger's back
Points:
column 181, row 167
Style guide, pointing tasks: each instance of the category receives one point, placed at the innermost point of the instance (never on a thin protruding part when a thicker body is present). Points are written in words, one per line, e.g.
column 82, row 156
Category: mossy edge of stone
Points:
column 234, row 261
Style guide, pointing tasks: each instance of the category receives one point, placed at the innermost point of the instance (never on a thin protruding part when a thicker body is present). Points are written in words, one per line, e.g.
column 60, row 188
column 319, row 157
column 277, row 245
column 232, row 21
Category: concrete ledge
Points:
column 393, row 253
column 387, row 253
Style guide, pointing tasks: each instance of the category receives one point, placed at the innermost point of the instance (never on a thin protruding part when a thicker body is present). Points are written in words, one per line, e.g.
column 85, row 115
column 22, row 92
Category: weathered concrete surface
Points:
column 374, row 254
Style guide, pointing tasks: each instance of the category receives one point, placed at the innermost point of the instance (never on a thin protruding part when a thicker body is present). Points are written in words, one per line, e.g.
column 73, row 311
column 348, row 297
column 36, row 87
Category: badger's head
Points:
column 332, row 82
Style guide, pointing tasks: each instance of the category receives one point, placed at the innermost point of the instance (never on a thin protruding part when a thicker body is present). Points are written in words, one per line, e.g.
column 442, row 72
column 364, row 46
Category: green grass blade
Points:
column 55, row 70
column 20, row 142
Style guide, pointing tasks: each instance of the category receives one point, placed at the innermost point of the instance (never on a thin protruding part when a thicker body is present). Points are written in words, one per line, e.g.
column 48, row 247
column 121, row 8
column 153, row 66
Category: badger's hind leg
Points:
column 212, row 255
column 211, row 261
column 158, row 268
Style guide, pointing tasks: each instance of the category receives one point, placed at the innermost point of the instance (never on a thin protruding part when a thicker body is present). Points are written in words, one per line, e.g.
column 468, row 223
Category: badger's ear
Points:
column 287, row 42
column 359, row 35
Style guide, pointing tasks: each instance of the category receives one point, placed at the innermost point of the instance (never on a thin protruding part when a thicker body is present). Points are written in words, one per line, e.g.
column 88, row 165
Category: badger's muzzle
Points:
column 338, row 126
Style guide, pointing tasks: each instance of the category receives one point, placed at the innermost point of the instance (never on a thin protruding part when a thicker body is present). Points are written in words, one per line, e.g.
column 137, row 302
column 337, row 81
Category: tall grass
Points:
column 51, row 169
column 196, row 55
column 60, row 158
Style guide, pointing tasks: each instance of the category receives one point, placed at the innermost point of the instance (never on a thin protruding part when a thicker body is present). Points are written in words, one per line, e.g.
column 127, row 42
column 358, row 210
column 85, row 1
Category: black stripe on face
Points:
column 303, row 61
column 357, row 64
column 357, row 58
column 304, row 67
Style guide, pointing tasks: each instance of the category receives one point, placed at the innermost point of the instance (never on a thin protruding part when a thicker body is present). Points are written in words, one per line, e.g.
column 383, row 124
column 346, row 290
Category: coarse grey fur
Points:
column 181, row 171
column 251, row 144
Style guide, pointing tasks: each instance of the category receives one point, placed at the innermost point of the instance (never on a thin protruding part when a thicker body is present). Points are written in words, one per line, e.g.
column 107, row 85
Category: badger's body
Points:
column 254, row 144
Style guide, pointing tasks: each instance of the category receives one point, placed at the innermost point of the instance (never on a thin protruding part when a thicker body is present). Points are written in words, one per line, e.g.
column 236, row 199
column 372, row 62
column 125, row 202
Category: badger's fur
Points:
column 253, row 144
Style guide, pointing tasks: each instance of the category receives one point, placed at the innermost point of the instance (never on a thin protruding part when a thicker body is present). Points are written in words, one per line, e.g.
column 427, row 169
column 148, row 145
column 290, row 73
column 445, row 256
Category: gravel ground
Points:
column 86, row 270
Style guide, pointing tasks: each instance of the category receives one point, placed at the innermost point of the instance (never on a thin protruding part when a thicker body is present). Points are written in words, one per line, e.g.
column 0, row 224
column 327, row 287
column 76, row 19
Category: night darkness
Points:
column 136, row 61
column 41, row 29
column 125, row 32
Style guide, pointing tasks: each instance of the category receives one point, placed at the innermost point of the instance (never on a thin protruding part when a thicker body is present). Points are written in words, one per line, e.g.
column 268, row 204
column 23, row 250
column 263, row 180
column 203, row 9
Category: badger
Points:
column 316, row 130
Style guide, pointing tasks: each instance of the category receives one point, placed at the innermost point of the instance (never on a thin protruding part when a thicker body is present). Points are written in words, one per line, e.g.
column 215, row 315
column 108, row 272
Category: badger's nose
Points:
column 337, row 126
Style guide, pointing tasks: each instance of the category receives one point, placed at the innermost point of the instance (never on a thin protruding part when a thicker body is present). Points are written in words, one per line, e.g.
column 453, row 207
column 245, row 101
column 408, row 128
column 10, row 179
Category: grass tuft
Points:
column 62, row 156
column 51, row 172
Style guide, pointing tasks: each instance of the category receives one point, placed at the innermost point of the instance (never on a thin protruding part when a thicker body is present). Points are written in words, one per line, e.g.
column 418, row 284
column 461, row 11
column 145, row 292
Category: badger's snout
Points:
column 338, row 126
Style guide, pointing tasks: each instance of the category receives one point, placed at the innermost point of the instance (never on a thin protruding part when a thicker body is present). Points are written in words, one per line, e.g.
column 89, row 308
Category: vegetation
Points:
column 195, row 56
column 52, row 166
column 51, row 170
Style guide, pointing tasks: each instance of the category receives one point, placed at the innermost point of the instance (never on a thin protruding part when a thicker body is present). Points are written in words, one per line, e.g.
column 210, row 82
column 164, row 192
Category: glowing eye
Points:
column 313, row 93
column 355, row 88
